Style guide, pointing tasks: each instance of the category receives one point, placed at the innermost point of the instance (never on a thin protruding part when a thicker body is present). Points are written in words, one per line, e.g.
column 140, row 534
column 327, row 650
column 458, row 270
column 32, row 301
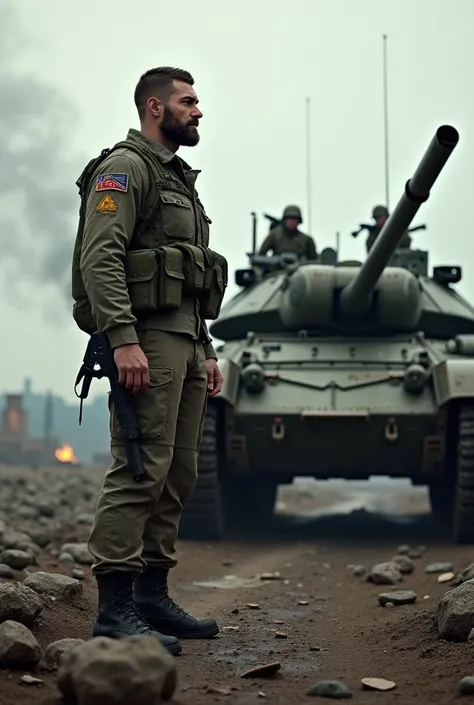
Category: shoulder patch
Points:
column 107, row 205
column 112, row 182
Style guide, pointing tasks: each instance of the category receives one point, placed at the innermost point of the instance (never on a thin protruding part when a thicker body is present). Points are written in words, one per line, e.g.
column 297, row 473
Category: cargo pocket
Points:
column 142, row 280
column 152, row 406
column 177, row 216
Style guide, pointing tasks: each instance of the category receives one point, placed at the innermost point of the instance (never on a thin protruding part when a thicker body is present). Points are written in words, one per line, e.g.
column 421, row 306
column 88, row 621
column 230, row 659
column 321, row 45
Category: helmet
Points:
column 380, row 210
column 293, row 212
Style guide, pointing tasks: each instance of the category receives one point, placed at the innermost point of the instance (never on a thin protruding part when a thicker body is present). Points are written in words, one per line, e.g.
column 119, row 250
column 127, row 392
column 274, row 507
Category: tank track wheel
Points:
column 203, row 516
column 463, row 515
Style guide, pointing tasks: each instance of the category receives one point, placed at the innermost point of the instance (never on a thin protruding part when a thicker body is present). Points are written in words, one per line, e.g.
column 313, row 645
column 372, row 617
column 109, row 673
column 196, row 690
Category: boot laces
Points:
column 170, row 604
column 124, row 602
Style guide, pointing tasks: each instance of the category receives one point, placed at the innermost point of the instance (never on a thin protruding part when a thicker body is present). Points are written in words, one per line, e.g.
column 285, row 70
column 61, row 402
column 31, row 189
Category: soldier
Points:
column 380, row 215
column 286, row 237
column 165, row 358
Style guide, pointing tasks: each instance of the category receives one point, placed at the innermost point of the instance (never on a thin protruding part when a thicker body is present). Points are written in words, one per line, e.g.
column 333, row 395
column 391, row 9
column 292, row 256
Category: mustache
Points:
column 193, row 123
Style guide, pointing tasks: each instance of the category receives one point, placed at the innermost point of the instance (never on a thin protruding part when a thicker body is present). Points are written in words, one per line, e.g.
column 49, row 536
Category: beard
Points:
column 186, row 135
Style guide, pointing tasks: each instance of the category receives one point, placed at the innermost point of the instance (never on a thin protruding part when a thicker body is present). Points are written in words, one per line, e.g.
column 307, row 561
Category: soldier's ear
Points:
column 155, row 106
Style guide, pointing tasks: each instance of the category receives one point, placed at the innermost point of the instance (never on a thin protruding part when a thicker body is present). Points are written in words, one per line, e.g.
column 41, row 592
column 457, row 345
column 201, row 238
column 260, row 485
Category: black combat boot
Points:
column 117, row 617
column 155, row 606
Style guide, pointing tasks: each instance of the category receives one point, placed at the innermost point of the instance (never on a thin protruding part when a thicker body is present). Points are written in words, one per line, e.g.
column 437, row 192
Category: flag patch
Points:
column 112, row 182
column 107, row 205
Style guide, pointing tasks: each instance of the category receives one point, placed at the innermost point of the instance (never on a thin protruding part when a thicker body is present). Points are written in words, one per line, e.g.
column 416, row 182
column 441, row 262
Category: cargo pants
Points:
column 136, row 524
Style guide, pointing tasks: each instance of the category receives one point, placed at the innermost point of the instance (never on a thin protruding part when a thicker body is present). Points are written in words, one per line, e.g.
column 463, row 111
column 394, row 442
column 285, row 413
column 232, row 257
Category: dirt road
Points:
column 314, row 617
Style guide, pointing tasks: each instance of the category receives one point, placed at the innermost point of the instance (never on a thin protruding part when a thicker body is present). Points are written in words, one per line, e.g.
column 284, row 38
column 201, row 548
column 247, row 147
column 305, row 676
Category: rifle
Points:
column 274, row 222
column 371, row 228
column 99, row 362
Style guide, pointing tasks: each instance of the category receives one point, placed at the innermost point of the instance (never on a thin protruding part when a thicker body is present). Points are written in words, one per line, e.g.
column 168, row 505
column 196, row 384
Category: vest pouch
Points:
column 141, row 272
column 170, row 278
column 194, row 269
column 215, row 285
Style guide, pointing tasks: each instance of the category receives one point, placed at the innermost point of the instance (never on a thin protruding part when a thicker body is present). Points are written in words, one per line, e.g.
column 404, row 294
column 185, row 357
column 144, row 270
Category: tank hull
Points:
column 337, row 409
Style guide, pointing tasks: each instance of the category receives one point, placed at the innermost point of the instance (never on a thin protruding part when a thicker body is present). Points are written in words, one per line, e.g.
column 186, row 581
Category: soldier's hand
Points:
column 214, row 378
column 132, row 366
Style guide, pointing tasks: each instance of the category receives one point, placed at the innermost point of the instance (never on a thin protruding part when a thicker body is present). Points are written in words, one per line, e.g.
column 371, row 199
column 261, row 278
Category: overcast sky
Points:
column 67, row 76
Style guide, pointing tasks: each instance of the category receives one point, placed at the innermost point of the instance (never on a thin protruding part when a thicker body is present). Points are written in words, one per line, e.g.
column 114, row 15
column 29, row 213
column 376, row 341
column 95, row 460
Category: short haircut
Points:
column 158, row 82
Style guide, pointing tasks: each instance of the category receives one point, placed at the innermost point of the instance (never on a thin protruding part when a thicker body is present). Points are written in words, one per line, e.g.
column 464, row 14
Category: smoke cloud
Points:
column 38, row 197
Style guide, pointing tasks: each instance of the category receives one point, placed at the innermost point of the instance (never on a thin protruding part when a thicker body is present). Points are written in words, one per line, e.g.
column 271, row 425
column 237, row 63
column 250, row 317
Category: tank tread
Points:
column 463, row 520
column 203, row 516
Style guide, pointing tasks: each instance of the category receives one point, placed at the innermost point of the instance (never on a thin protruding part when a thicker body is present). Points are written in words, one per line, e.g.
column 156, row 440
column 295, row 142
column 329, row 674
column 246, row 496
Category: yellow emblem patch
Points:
column 107, row 205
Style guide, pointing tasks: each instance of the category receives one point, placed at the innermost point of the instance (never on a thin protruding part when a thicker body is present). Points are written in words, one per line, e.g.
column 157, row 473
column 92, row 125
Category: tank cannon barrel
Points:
column 356, row 296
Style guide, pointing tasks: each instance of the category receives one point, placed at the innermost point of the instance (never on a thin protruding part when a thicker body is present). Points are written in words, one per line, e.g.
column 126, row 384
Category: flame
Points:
column 65, row 454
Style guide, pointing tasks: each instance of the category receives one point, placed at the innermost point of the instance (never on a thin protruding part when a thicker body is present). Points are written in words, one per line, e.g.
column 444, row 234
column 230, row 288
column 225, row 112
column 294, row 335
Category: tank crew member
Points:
column 380, row 215
column 287, row 237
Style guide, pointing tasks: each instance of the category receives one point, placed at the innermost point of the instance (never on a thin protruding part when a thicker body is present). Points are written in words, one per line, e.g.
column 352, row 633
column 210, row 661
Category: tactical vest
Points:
column 298, row 243
column 156, row 279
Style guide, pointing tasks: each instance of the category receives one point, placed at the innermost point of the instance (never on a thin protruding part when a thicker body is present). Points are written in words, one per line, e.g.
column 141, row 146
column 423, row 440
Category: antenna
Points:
column 385, row 113
column 308, row 161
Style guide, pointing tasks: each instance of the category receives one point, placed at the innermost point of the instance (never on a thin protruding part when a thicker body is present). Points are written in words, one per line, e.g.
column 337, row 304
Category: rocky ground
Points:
column 348, row 584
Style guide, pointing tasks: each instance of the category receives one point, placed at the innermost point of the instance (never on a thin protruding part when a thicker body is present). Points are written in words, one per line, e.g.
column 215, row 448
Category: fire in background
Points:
column 65, row 454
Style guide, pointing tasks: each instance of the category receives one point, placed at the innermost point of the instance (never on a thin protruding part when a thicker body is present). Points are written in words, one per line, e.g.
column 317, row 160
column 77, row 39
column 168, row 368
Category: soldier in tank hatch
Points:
column 286, row 237
column 380, row 215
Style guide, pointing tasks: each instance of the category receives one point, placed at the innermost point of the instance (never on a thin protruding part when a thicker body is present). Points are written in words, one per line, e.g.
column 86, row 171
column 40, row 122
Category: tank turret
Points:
column 370, row 296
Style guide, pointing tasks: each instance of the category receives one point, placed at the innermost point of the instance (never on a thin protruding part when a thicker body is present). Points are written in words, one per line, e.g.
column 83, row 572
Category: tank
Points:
column 342, row 370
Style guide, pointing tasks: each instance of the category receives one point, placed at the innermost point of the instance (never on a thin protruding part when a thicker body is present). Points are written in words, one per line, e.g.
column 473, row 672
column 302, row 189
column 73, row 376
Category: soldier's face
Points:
column 291, row 223
column 380, row 220
column 181, row 116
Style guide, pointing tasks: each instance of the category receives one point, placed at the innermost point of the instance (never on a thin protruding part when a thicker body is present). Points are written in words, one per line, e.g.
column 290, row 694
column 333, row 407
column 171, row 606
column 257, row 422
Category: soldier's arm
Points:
column 110, row 219
column 207, row 344
column 311, row 252
column 268, row 244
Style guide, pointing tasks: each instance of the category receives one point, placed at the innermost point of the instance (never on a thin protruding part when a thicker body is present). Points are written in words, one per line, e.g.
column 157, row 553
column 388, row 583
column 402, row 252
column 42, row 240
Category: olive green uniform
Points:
column 136, row 525
column 280, row 240
column 405, row 242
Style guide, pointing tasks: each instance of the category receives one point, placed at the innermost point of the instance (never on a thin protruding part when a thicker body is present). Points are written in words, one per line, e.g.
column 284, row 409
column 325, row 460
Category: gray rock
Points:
column 87, row 519
column 62, row 587
column 66, row 558
column 415, row 553
column 330, row 689
column 466, row 686
column 404, row 550
column 16, row 539
column 41, row 537
column 439, row 568
column 78, row 574
column 6, row 572
column 19, row 604
column 359, row 571
column 397, row 597
column 385, row 574
column 79, row 552
column 18, row 560
column 455, row 613
column 404, row 563
column 104, row 671
column 18, row 646
column 55, row 651
column 467, row 574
